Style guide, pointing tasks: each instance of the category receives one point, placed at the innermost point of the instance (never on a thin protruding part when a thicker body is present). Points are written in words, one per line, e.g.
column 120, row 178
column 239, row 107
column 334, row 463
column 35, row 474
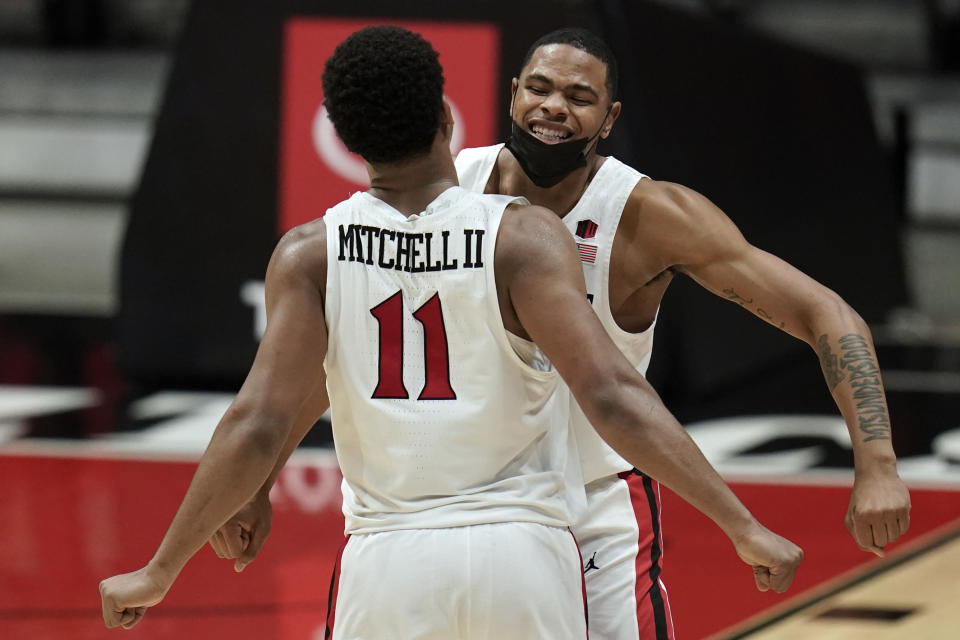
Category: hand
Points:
column 774, row 558
column 242, row 535
column 125, row 598
column 879, row 510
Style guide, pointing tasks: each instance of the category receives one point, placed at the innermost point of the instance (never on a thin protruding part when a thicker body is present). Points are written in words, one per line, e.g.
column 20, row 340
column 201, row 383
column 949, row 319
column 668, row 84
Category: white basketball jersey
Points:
column 593, row 222
column 437, row 421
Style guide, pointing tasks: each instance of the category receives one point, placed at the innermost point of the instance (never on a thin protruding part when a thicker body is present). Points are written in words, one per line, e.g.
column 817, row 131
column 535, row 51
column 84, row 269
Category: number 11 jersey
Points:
column 441, row 418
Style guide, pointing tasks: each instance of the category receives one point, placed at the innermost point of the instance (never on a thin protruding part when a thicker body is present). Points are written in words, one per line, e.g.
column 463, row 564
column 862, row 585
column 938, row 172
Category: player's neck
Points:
column 560, row 198
column 409, row 187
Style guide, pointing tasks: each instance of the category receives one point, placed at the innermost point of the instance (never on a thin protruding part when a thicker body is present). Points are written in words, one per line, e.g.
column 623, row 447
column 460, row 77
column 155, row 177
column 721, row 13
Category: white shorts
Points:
column 619, row 536
column 501, row 581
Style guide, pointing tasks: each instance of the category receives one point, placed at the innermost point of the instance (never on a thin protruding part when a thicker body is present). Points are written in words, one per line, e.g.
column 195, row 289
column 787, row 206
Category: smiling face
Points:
column 562, row 95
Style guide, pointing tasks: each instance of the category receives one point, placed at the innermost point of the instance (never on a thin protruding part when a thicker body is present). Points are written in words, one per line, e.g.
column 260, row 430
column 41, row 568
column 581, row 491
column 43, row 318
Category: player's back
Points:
column 438, row 422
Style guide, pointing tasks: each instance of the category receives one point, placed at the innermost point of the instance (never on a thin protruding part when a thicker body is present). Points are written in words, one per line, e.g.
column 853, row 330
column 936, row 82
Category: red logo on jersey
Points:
column 316, row 170
column 586, row 229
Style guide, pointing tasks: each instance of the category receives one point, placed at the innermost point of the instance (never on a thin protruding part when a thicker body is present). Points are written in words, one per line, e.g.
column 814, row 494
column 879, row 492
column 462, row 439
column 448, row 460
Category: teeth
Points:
column 549, row 133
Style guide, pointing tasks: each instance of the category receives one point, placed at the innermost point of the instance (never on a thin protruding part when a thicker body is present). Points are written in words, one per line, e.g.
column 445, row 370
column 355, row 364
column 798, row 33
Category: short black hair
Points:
column 585, row 41
column 383, row 90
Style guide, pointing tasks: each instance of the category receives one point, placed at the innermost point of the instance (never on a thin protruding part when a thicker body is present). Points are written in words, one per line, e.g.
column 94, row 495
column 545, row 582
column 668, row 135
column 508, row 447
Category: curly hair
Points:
column 383, row 90
column 585, row 41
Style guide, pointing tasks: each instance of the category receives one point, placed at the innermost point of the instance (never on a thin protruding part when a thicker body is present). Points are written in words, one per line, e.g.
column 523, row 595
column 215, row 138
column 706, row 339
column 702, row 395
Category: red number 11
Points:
column 389, row 315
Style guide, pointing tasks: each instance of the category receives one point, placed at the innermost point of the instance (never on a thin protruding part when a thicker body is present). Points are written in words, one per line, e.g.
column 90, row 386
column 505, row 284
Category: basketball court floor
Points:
column 74, row 512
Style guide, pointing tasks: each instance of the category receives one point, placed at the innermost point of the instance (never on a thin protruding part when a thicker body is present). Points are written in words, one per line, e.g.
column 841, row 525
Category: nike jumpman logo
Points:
column 590, row 563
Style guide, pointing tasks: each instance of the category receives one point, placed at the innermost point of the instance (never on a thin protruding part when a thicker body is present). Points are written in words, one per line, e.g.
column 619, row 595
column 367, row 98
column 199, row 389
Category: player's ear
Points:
column 611, row 118
column 446, row 119
column 514, row 85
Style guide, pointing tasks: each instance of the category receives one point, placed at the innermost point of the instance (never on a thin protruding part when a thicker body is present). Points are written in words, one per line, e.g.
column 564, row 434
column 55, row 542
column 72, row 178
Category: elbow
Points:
column 256, row 427
column 618, row 399
column 831, row 315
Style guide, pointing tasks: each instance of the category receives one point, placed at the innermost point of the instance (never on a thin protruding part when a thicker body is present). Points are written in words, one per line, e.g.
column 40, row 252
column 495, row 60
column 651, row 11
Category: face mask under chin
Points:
column 546, row 164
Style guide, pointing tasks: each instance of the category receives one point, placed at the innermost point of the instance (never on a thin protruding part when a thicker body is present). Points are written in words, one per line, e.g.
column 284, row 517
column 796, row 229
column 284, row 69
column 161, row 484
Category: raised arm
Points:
column 709, row 248
column 244, row 449
column 538, row 270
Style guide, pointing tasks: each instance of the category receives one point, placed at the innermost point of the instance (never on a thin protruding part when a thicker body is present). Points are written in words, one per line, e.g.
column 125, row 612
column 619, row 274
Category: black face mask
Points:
column 548, row 164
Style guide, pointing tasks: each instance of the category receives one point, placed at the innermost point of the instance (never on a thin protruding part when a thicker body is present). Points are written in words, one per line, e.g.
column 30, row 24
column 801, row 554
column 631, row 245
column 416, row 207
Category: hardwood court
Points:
column 915, row 594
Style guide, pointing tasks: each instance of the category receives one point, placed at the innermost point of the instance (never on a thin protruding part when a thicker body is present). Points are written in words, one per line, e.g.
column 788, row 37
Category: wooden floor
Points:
column 915, row 595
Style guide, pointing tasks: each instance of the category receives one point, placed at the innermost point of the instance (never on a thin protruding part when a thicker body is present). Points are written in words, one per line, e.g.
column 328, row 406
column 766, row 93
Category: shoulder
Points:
column 676, row 220
column 667, row 200
column 477, row 167
column 304, row 241
column 301, row 253
column 529, row 222
column 530, row 233
column 469, row 155
column 621, row 170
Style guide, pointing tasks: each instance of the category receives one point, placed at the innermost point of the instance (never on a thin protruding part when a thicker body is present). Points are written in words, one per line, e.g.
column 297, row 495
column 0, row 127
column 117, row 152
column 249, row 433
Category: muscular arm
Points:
column 706, row 245
column 249, row 438
column 245, row 532
column 538, row 266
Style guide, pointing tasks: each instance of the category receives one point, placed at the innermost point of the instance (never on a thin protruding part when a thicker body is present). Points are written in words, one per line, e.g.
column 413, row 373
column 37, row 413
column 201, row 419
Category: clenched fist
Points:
column 126, row 597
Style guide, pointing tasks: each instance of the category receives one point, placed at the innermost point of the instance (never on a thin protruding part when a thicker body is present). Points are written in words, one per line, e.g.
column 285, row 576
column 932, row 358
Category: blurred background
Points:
column 148, row 163
column 153, row 151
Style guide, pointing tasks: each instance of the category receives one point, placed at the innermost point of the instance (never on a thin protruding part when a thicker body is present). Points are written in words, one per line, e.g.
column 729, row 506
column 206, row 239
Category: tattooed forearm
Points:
column 856, row 357
column 747, row 303
column 733, row 296
column 828, row 362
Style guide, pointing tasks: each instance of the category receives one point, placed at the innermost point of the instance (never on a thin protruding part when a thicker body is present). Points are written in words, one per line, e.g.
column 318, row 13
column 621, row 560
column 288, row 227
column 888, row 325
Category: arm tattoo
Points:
column 828, row 362
column 733, row 296
column 857, row 358
column 747, row 303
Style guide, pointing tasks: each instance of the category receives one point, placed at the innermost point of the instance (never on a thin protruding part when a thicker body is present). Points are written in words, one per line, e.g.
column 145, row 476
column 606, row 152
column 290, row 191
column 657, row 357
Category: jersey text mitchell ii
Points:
column 410, row 252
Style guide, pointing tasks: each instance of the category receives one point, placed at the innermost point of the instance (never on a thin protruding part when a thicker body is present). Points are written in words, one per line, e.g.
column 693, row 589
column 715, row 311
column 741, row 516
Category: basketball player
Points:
column 414, row 304
column 634, row 235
